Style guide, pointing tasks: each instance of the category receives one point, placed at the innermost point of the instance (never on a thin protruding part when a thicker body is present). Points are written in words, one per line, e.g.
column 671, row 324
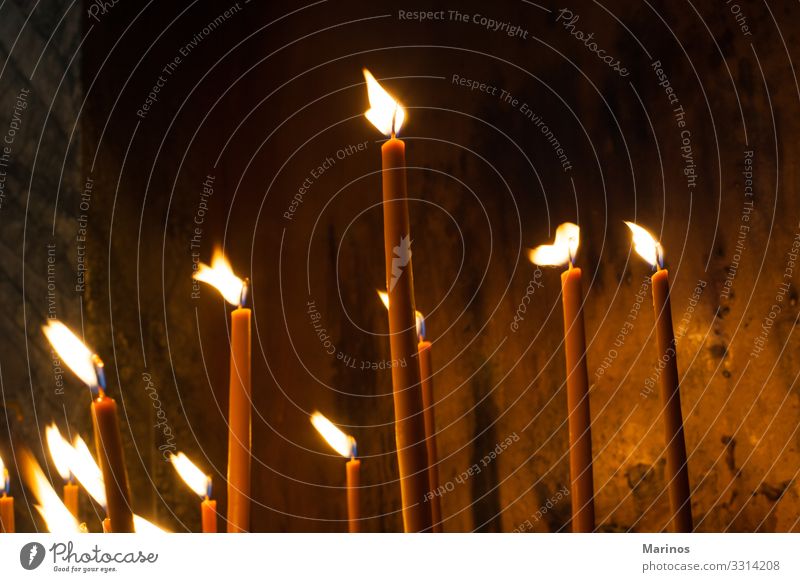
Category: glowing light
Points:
column 197, row 481
column 343, row 444
column 4, row 478
column 563, row 250
column 220, row 276
column 72, row 351
column 420, row 319
column 60, row 451
column 646, row 245
column 57, row 517
column 142, row 526
column 384, row 112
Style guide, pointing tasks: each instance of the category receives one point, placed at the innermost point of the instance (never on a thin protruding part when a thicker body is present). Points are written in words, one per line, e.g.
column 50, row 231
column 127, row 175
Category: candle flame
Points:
column 197, row 481
column 420, row 319
column 72, row 351
column 85, row 469
column 57, row 517
column 646, row 245
column 220, row 276
column 384, row 111
column 5, row 481
column 342, row 443
column 562, row 251
column 60, row 451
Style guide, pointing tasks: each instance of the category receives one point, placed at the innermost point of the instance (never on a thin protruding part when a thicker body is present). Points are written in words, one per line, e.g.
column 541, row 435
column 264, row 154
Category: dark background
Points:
column 272, row 91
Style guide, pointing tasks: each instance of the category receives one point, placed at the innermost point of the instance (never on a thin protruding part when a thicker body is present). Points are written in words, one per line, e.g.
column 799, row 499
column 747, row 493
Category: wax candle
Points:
column 89, row 368
column 345, row 445
column 60, row 452
column 57, row 518
column 677, row 472
column 412, row 454
column 200, row 483
column 6, row 502
column 424, row 350
column 579, row 417
column 234, row 290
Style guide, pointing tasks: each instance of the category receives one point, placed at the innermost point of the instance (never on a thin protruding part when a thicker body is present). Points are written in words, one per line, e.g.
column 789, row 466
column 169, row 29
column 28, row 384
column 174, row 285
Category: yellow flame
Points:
column 343, row 444
column 72, row 351
column 563, row 250
column 60, row 450
column 3, row 476
column 191, row 475
column 420, row 319
column 55, row 514
column 384, row 111
column 83, row 466
column 220, row 276
column 646, row 245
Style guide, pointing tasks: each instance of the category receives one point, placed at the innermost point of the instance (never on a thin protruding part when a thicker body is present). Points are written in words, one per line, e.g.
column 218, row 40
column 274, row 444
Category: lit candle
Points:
column 83, row 466
column 428, row 403
column 345, row 445
column 677, row 468
column 387, row 115
column 200, row 483
column 6, row 501
column 57, row 517
column 234, row 291
column 579, row 418
column 89, row 368
column 60, row 451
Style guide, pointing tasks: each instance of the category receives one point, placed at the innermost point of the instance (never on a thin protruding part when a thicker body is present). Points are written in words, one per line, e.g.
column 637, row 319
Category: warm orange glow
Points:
column 419, row 317
column 83, row 466
column 384, row 111
column 3, row 478
column 60, row 450
column 197, row 481
column 220, row 276
column 343, row 444
column 562, row 251
column 55, row 514
column 646, row 245
column 72, row 351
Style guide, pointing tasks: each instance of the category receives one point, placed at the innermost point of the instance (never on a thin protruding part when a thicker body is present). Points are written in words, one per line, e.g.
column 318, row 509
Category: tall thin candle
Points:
column 234, row 290
column 412, row 454
column 200, row 483
column 6, row 501
column 677, row 471
column 579, row 417
column 89, row 368
column 345, row 445
column 60, row 451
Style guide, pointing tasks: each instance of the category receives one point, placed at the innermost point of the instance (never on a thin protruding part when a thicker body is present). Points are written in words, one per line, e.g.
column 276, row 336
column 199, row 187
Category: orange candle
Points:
column 200, row 483
column 89, row 368
column 677, row 472
column 112, row 462
column 412, row 454
column 345, row 445
column 71, row 497
column 579, row 417
column 353, row 468
column 429, row 417
column 234, row 290
column 6, row 502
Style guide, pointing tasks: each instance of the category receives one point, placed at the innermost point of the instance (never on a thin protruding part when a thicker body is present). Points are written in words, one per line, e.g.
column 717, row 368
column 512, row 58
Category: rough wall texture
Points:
column 261, row 102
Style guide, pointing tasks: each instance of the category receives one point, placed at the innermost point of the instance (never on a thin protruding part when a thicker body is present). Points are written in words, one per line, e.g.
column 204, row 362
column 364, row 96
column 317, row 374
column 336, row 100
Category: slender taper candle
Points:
column 345, row 445
column 677, row 470
column 89, row 368
column 412, row 454
column 234, row 290
column 579, row 417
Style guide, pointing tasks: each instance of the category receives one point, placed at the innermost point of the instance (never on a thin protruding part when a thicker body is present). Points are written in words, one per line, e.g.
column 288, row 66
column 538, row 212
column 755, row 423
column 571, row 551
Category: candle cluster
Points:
column 104, row 475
